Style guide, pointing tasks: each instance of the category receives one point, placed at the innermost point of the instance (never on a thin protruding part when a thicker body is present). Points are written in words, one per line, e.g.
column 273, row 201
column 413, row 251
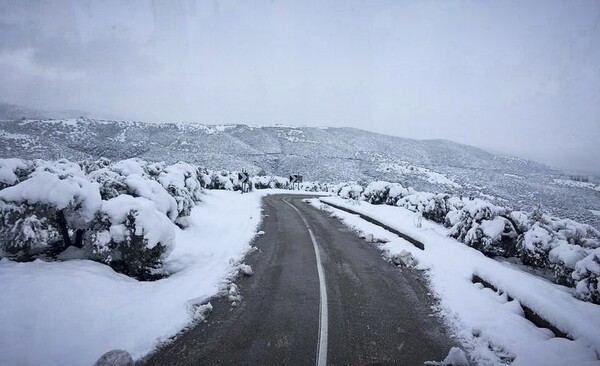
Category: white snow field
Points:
column 492, row 328
column 71, row 312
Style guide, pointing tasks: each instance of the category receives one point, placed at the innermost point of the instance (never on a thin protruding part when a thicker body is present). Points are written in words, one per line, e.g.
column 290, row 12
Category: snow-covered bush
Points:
column 218, row 180
column 376, row 192
column 415, row 202
column 562, row 260
column 131, row 236
column 483, row 226
column 266, row 182
column 130, row 166
column 313, row 187
column 381, row 192
column 13, row 171
column 438, row 207
column 568, row 248
column 118, row 213
column 396, row 191
column 431, row 206
column 89, row 166
column 351, row 191
column 182, row 182
column 586, row 275
column 26, row 230
column 534, row 246
column 56, row 197
column 175, row 189
column 112, row 184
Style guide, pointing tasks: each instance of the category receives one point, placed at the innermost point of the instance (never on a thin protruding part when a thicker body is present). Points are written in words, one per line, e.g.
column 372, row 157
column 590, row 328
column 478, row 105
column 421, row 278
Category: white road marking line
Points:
column 323, row 315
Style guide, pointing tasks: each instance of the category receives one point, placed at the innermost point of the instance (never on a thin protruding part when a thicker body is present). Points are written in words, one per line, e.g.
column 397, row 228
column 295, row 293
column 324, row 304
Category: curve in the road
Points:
column 319, row 295
column 323, row 317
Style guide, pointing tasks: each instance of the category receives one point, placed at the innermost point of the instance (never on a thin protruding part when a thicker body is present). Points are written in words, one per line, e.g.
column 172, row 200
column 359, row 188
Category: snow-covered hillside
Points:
column 324, row 154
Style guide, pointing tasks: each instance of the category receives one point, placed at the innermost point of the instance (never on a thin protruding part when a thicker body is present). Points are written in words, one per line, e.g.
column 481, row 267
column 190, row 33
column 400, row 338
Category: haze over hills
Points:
column 324, row 154
column 13, row 112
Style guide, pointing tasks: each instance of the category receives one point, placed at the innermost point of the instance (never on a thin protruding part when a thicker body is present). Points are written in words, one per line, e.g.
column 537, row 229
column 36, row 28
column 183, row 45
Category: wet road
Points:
column 373, row 313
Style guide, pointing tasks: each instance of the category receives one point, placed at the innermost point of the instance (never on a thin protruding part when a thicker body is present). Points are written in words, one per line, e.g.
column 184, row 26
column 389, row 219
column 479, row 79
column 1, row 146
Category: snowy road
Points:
column 376, row 312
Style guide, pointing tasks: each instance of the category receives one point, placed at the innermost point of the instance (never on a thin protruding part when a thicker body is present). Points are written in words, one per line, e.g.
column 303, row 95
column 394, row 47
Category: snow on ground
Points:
column 70, row 313
column 577, row 184
column 492, row 328
column 595, row 212
column 421, row 173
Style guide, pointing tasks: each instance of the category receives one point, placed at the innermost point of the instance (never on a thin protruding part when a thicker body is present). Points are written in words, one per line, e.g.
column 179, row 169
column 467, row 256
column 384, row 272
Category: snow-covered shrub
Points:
column 432, row 206
column 575, row 233
column 313, row 187
column 586, row 275
column 13, row 171
column 112, row 184
column 562, row 260
column 261, row 182
column 279, row 182
column 174, row 189
column 154, row 169
column 351, row 191
column 376, row 192
column 481, row 225
column 558, row 244
column 266, row 182
column 56, row 197
column 182, row 182
column 130, row 166
column 141, row 186
column 221, row 180
column 438, row 207
column 26, row 230
column 520, row 220
column 534, row 246
column 396, row 191
column 89, row 166
column 382, row 192
column 546, row 232
column 540, row 240
column 131, row 236
column 118, row 213
column 415, row 202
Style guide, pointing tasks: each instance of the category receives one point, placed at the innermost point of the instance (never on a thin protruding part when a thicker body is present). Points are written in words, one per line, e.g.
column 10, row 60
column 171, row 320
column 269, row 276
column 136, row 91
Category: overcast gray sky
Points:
column 515, row 76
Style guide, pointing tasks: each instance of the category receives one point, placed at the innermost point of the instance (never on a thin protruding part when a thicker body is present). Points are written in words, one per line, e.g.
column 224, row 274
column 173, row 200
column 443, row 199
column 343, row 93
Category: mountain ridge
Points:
column 331, row 154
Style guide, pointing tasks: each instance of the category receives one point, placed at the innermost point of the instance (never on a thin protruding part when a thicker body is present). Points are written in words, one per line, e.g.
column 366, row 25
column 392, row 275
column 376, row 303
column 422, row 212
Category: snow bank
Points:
column 70, row 313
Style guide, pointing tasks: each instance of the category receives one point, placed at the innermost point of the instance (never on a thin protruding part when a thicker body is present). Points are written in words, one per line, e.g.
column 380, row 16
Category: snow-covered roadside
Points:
column 70, row 313
column 491, row 327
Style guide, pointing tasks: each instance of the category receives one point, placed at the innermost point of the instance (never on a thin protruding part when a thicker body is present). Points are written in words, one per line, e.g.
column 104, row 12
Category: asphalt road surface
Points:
column 350, row 307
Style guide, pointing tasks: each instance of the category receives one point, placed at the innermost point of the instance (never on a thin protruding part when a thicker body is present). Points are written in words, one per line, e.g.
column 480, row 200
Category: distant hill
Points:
column 15, row 112
column 325, row 154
